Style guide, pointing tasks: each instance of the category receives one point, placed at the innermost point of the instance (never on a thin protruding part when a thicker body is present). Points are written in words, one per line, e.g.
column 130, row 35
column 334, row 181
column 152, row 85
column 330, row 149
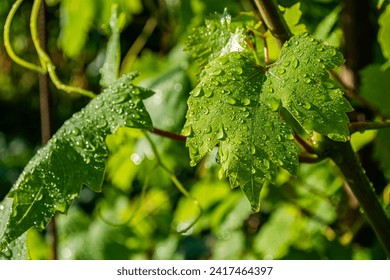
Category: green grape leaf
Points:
column 75, row 156
column 218, row 37
column 236, row 106
column 76, row 21
column 304, row 88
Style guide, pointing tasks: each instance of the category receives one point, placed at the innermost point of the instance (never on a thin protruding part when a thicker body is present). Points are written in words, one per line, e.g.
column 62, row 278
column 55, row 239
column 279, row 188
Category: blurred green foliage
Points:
column 140, row 213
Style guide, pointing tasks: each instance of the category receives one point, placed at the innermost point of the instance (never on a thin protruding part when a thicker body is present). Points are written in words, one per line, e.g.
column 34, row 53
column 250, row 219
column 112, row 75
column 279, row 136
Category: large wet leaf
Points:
column 236, row 105
column 75, row 156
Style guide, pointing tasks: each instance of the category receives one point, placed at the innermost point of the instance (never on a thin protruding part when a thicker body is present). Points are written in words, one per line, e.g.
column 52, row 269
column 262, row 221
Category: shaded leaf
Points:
column 75, row 156
column 375, row 86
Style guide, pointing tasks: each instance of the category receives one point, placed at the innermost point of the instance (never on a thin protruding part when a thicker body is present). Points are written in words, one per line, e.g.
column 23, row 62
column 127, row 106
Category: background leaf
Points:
column 75, row 156
column 76, row 21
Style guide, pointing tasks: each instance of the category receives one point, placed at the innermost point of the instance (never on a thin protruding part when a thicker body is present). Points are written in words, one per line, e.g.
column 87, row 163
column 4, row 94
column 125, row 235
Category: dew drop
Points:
column 232, row 101
column 290, row 136
column 221, row 134
column 307, row 105
column 187, row 131
column 274, row 104
column 208, row 129
column 266, row 164
column 120, row 99
column 102, row 123
column 246, row 101
column 239, row 70
column 253, row 149
column 295, row 63
column 307, row 80
column 208, row 93
column 282, row 71
column 76, row 131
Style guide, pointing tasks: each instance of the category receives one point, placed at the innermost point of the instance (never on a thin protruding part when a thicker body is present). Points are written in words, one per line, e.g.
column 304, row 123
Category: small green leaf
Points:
column 236, row 106
column 292, row 15
column 216, row 38
column 75, row 156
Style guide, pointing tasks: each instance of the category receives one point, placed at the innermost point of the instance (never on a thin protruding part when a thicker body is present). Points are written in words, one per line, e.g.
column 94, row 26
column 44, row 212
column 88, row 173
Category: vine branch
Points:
column 47, row 65
column 363, row 126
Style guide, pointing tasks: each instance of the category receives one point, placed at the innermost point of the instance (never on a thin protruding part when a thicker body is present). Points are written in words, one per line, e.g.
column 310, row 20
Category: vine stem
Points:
column 46, row 62
column 47, row 65
column 270, row 16
column 46, row 118
column 363, row 126
column 340, row 152
column 177, row 184
column 7, row 42
column 345, row 158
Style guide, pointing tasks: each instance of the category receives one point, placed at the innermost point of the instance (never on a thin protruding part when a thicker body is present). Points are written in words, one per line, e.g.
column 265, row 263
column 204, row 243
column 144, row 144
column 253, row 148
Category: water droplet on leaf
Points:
column 232, row 101
column 221, row 134
column 246, row 101
column 187, row 131
column 295, row 63
column 274, row 104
